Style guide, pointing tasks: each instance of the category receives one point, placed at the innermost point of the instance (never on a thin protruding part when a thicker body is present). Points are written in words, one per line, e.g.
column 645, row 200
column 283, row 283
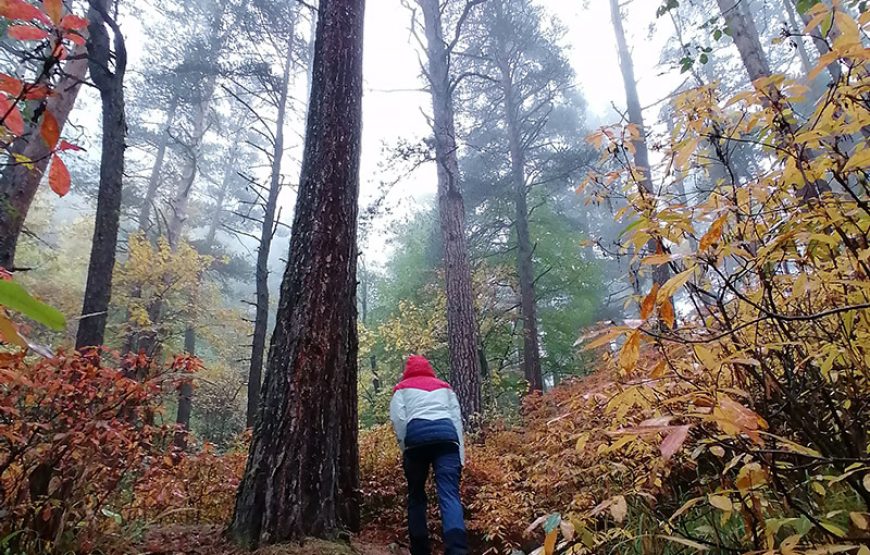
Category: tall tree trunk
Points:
column 804, row 56
column 461, row 328
column 525, row 263
column 18, row 183
column 185, row 397
column 267, row 232
column 157, row 168
column 745, row 36
column 635, row 117
column 834, row 69
column 98, row 290
column 302, row 473
column 189, row 172
column 229, row 174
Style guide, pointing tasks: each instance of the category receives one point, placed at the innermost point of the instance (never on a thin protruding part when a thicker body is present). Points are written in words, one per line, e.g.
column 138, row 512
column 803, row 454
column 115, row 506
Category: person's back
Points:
column 428, row 424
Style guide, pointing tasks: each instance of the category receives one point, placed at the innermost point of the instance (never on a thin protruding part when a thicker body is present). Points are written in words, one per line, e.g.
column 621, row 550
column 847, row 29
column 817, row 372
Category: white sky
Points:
column 391, row 64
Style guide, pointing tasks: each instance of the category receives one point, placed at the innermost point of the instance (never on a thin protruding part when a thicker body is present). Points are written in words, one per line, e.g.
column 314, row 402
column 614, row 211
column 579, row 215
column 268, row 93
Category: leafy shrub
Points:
column 72, row 435
column 198, row 488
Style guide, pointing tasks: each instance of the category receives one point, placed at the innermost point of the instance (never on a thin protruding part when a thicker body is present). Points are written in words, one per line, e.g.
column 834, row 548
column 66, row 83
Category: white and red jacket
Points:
column 424, row 410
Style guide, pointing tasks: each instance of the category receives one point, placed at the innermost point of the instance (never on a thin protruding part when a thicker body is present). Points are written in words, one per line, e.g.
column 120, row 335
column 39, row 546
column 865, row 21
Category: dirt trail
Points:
column 208, row 540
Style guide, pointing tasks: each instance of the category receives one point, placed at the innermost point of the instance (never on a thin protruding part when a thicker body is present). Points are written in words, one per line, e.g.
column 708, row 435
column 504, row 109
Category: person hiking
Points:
column 428, row 424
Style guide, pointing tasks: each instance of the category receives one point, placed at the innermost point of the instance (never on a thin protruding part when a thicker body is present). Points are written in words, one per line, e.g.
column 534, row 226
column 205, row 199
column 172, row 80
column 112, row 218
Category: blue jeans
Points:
column 444, row 458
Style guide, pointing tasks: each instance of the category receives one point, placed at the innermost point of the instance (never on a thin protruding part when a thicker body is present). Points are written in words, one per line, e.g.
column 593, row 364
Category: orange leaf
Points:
column 9, row 333
column 54, row 9
column 73, row 23
column 58, row 176
column 630, row 352
column 21, row 10
column 26, row 32
column 713, row 234
column 649, row 302
column 667, row 313
column 11, row 116
column 49, row 130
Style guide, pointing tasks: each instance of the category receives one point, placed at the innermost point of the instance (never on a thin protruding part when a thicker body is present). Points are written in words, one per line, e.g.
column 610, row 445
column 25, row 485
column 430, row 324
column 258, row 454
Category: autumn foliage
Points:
column 72, row 436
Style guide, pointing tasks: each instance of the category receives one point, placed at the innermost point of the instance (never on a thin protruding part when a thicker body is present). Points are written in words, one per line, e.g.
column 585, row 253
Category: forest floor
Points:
column 209, row 540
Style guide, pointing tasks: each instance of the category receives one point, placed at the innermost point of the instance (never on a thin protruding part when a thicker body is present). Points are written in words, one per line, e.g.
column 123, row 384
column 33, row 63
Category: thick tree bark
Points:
column 98, row 290
column 157, row 168
column 18, row 184
column 635, row 117
column 267, row 232
column 302, row 472
column 185, row 397
column 525, row 263
column 461, row 328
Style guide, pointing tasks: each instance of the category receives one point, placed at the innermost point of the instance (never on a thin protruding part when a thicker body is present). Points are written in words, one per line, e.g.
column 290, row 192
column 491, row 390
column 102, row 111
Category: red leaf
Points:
column 54, row 9
column 19, row 9
column 75, row 38
column 49, row 130
column 10, row 85
column 64, row 145
column 674, row 441
column 73, row 23
column 26, row 32
column 11, row 117
column 58, row 176
column 35, row 92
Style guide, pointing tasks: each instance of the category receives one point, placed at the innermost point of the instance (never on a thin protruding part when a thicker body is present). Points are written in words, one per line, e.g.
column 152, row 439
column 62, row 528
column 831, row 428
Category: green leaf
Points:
column 717, row 34
column 14, row 297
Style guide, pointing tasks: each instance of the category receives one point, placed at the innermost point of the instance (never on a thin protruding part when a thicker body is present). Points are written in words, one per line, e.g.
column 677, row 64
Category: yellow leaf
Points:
column 859, row 160
column 867, row 482
column 707, row 357
column 630, row 352
column 787, row 546
column 833, row 528
column 686, row 506
column 684, row 541
column 859, row 520
column 649, row 302
column 659, row 370
column 818, row 488
column 720, row 502
column 681, row 158
column 849, row 33
column 672, row 285
column 604, row 339
column 800, row 286
column 619, row 508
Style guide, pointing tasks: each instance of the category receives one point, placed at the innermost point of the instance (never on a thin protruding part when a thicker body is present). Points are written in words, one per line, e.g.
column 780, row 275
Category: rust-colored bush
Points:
column 198, row 488
column 72, row 435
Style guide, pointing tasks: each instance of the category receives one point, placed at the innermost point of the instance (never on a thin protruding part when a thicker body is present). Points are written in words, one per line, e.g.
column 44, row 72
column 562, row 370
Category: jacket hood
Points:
column 418, row 367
